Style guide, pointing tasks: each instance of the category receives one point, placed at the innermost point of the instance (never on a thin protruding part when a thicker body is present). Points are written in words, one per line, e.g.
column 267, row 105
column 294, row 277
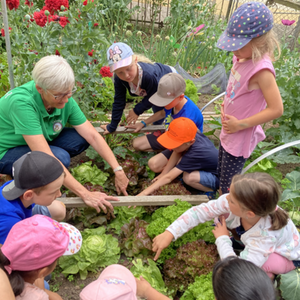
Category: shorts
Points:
column 152, row 139
column 41, row 210
column 209, row 180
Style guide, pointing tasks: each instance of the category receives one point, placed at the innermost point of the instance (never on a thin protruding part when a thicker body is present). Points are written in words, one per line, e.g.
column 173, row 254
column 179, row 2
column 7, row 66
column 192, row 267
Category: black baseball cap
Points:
column 33, row 170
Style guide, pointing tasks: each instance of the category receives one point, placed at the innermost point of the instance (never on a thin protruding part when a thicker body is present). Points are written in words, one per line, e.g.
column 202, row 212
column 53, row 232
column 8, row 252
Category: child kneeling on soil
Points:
column 30, row 253
column 264, row 232
column 170, row 95
column 38, row 178
column 192, row 154
column 118, row 283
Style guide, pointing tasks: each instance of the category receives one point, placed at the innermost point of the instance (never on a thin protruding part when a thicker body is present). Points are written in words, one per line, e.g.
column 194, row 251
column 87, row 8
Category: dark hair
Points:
column 239, row 279
column 259, row 193
column 15, row 278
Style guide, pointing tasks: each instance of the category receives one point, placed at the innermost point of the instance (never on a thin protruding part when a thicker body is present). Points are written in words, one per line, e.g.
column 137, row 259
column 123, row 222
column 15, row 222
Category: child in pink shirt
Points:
column 252, row 96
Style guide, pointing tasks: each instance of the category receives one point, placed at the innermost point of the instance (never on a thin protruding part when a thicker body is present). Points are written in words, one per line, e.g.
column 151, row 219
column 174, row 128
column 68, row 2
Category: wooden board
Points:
column 122, row 129
column 139, row 200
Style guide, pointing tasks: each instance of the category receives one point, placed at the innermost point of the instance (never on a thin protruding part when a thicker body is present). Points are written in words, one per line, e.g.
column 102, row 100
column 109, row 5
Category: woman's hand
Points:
column 161, row 242
column 220, row 228
column 132, row 117
column 121, row 182
column 99, row 201
column 104, row 127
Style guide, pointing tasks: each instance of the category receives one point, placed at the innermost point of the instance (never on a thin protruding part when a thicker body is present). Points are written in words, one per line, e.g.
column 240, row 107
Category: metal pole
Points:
column 8, row 48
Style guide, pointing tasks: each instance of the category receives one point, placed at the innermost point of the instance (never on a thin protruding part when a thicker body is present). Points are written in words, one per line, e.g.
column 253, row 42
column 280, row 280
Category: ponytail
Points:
column 279, row 219
column 15, row 279
column 143, row 58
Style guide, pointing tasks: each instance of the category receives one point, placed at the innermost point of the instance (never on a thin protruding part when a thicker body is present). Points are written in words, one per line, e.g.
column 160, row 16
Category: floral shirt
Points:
column 259, row 240
column 136, row 89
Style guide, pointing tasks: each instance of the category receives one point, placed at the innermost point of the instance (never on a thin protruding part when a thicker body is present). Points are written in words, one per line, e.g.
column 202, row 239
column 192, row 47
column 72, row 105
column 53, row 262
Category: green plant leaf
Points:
column 290, row 285
column 294, row 178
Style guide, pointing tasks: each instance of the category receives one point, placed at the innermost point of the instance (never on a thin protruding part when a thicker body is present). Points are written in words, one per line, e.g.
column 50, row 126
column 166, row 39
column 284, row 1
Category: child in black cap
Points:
column 38, row 178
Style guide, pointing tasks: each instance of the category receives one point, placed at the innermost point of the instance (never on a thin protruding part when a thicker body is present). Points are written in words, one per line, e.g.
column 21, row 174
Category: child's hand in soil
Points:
column 220, row 228
column 105, row 129
column 161, row 242
column 137, row 126
column 132, row 117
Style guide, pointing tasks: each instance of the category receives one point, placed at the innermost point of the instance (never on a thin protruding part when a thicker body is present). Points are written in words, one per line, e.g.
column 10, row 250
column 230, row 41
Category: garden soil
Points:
column 70, row 288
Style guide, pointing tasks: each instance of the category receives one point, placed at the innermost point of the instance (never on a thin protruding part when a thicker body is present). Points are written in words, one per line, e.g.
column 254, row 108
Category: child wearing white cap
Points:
column 136, row 74
column 118, row 283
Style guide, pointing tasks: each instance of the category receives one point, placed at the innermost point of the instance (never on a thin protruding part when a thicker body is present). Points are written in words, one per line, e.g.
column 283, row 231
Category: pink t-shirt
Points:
column 32, row 292
column 242, row 103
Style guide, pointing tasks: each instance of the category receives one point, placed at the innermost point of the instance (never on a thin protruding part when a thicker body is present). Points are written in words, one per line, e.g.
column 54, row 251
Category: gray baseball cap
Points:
column 33, row 170
column 170, row 87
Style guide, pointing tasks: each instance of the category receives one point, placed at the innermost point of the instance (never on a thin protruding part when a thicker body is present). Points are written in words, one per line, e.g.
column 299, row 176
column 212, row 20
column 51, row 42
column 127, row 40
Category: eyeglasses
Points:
column 60, row 97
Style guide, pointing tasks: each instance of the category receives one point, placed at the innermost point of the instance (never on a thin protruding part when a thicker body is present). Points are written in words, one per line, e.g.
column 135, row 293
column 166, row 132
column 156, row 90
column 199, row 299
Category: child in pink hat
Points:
column 30, row 253
column 118, row 283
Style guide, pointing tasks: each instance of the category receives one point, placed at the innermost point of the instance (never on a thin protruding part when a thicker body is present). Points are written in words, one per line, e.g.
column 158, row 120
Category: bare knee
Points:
column 57, row 210
column 155, row 164
column 190, row 178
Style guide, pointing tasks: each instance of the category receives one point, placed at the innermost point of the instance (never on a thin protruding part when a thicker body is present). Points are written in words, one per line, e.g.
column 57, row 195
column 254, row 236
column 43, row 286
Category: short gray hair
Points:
column 53, row 72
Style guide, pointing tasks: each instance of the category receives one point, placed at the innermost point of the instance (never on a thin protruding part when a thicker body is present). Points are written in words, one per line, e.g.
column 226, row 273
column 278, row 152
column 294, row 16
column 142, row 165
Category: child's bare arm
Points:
column 145, row 290
column 53, row 296
column 165, row 179
column 5, row 287
column 155, row 117
column 267, row 83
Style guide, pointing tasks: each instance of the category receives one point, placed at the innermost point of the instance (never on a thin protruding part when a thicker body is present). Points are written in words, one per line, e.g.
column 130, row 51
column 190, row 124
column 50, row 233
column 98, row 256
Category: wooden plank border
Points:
column 140, row 200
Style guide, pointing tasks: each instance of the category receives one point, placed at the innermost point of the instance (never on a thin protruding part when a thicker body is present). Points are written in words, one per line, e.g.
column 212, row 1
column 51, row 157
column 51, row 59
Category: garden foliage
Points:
column 165, row 216
column 135, row 242
column 290, row 285
column 98, row 250
column 201, row 289
column 192, row 259
column 150, row 272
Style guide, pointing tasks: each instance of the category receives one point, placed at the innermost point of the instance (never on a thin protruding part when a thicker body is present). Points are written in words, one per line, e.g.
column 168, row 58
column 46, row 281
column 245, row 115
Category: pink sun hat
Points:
column 38, row 241
column 114, row 283
column 119, row 55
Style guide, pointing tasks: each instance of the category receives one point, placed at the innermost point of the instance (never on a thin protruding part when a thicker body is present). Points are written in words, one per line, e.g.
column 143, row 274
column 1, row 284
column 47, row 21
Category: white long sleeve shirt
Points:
column 259, row 241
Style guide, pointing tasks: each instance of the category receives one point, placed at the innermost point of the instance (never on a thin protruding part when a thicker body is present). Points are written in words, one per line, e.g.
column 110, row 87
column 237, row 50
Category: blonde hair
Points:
column 142, row 58
column 259, row 193
column 265, row 44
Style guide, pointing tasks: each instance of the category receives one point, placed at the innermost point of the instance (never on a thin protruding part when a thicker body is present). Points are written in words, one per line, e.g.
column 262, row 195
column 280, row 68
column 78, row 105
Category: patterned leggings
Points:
column 228, row 166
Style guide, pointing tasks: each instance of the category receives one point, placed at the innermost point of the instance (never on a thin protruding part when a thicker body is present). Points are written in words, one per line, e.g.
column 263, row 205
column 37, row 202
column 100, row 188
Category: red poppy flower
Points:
column 54, row 5
column 40, row 18
column 13, row 4
column 105, row 72
column 96, row 24
column 28, row 3
column 63, row 21
column 3, row 32
column 84, row 3
column 57, row 52
column 90, row 53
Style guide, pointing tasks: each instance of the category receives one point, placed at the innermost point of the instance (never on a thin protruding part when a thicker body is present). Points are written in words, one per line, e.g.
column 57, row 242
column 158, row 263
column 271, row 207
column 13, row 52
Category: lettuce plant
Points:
column 165, row 216
column 191, row 260
column 135, row 242
column 201, row 289
column 98, row 250
column 151, row 273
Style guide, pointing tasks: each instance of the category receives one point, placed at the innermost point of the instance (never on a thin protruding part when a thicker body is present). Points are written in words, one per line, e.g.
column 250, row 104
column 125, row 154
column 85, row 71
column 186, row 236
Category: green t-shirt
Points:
column 22, row 112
